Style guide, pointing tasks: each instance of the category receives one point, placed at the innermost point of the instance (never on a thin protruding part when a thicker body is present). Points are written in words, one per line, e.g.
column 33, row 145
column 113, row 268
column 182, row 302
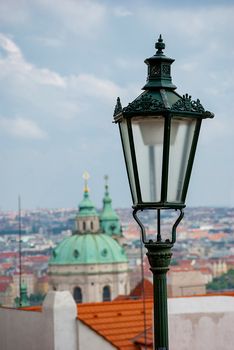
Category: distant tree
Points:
column 36, row 299
column 224, row 282
column 174, row 262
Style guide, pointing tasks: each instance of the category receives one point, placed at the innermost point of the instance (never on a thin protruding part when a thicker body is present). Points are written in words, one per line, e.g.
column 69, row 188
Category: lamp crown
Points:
column 159, row 69
column 160, row 45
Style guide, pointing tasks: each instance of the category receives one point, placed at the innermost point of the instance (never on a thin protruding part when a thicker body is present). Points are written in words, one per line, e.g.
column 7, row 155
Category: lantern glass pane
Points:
column 182, row 132
column 148, row 133
column 127, row 152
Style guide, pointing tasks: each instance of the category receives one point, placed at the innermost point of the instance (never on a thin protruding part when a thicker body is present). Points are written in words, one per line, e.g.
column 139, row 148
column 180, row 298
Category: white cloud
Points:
column 83, row 17
column 50, row 41
column 10, row 47
column 46, row 94
column 13, row 11
column 22, row 128
column 122, row 12
column 14, row 66
column 91, row 85
column 189, row 67
column 25, row 76
column 193, row 25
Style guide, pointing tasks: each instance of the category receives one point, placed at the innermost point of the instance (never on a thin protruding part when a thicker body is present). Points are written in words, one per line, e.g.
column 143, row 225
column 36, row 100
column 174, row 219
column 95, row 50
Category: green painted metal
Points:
column 86, row 206
column 159, row 256
column 88, row 248
column 165, row 164
column 125, row 158
column 109, row 220
column 134, row 162
column 191, row 159
column 159, row 69
column 160, row 99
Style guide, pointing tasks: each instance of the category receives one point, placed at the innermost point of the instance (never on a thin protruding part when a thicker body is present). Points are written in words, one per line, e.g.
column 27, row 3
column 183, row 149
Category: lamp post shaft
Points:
column 159, row 255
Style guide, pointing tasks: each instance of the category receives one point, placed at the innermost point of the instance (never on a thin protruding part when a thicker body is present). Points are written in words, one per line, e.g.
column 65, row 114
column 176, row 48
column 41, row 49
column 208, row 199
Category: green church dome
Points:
column 88, row 248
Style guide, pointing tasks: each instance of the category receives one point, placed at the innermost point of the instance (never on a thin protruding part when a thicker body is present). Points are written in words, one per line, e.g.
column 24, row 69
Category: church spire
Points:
column 87, row 219
column 106, row 200
column 109, row 220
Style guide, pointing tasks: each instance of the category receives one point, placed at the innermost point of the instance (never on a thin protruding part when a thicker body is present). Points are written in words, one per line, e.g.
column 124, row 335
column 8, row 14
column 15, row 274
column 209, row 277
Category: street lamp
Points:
column 159, row 132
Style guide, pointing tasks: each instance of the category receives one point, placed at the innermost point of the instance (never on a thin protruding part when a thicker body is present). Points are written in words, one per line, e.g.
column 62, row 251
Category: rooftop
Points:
column 119, row 322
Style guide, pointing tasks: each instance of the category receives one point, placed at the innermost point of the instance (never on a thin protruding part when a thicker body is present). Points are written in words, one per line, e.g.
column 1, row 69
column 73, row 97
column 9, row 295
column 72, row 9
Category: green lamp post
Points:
column 159, row 132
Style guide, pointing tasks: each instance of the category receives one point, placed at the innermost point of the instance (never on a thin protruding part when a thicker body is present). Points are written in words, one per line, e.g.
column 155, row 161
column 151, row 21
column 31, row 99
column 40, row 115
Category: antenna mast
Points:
column 20, row 262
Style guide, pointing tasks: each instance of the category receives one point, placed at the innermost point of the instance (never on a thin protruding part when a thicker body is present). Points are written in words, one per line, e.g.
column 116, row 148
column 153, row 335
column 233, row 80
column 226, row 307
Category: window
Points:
column 76, row 253
column 106, row 293
column 91, row 225
column 77, row 295
column 84, row 225
column 104, row 252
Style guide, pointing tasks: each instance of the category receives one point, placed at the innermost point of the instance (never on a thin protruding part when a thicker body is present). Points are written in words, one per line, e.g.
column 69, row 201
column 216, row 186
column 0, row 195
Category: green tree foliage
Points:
column 224, row 282
column 36, row 299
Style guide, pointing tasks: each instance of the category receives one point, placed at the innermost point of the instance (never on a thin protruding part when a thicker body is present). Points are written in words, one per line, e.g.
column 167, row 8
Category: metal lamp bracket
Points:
column 159, row 237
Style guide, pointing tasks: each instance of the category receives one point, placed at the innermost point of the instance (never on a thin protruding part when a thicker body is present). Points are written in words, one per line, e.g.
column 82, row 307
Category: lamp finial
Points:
column 160, row 45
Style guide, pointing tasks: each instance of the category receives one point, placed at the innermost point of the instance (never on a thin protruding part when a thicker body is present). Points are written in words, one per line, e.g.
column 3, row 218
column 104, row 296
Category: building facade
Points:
column 91, row 264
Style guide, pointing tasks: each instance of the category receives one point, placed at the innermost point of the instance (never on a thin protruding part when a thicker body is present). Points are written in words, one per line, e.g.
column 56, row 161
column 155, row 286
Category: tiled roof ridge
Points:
column 117, row 302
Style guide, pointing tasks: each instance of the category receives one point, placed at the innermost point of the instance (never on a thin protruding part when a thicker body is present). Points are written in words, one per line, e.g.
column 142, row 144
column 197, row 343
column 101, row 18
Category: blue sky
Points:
column 62, row 65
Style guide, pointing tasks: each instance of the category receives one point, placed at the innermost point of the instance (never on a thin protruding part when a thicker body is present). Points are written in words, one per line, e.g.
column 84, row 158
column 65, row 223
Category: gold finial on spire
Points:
column 86, row 176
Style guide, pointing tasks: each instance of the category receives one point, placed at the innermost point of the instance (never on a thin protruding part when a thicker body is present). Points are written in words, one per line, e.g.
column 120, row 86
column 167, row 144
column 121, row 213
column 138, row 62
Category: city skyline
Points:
column 62, row 66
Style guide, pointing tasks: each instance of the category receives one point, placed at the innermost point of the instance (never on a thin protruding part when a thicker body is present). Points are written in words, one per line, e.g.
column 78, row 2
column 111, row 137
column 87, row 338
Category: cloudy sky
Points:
column 62, row 65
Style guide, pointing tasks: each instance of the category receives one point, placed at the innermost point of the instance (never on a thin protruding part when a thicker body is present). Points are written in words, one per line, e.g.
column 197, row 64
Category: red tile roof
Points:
column 145, row 339
column 146, row 288
column 5, row 282
column 5, row 279
column 3, row 287
column 119, row 322
column 37, row 258
column 6, row 266
column 6, row 255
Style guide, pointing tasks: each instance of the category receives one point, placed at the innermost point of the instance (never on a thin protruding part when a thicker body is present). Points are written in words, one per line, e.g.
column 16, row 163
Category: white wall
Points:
column 201, row 323
column 196, row 323
column 21, row 330
column 88, row 339
column 52, row 329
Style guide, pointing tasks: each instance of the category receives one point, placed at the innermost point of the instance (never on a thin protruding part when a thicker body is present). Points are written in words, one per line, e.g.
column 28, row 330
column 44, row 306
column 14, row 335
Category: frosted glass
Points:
column 182, row 132
column 126, row 145
column 148, row 141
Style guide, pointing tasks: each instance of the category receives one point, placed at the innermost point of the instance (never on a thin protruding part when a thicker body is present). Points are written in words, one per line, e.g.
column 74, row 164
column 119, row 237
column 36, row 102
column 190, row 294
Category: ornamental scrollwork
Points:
column 166, row 69
column 144, row 104
column 186, row 104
